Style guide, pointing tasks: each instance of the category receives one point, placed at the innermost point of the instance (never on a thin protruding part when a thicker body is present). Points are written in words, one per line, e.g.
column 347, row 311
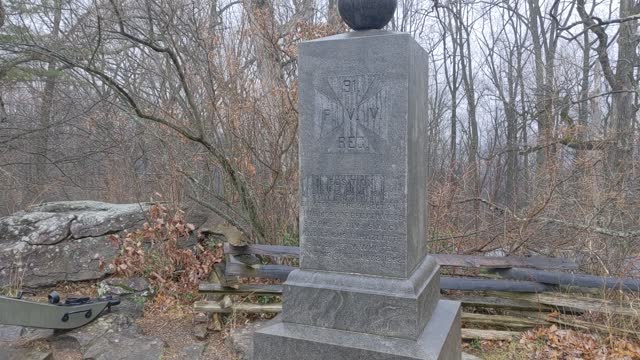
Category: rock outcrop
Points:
column 62, row 241
column 114, row 335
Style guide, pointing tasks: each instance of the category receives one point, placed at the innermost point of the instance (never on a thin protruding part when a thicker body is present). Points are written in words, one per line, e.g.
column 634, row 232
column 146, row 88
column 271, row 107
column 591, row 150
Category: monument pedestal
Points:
column 348, row 317
column 366, row 288
column 289, row 341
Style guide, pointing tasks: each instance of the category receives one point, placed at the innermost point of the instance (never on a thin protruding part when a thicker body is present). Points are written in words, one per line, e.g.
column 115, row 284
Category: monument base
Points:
column 373, row 305
column 440, row 340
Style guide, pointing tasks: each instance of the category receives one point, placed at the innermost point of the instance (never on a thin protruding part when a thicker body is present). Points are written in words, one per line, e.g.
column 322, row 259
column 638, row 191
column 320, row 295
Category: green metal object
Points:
column 71, row 314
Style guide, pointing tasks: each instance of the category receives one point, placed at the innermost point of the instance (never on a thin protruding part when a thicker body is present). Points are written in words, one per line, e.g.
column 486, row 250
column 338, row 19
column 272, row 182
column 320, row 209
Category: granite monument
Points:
column 366, row 288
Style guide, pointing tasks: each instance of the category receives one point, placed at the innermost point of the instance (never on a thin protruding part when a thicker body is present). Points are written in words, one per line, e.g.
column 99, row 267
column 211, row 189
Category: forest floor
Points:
column 176, row 330
column 175, row 327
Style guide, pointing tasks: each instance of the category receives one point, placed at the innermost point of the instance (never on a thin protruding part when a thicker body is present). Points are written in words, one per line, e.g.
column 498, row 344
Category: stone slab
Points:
column 24, row 354
column 360, row 303
column 362, row 155
column 441, row 340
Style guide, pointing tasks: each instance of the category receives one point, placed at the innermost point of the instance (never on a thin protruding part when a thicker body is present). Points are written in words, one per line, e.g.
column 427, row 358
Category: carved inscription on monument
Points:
column 364, row 189
column 352, row 113
column 353, row 205
column 354, row 217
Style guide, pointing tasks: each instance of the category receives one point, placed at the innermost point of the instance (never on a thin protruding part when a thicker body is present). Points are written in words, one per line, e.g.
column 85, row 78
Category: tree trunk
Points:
column 333, row 17
column 40, row 156
column 623, row 86
column 623, row 111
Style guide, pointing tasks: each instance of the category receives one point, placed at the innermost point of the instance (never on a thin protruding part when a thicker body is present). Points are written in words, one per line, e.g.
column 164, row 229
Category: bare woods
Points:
column 532, row 137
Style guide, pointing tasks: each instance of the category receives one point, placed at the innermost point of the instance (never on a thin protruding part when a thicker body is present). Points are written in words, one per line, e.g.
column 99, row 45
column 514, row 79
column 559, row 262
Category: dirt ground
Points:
column 176, row 330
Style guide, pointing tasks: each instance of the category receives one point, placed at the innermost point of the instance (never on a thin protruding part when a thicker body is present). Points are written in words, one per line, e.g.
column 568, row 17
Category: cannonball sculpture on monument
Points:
column 367, row 14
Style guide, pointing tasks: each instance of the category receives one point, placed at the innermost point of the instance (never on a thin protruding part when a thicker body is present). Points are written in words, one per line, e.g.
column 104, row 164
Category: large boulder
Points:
column 62, row 241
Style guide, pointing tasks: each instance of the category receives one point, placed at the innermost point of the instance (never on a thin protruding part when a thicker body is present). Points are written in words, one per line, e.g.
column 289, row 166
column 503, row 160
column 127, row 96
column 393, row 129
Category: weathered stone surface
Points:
column 373, row 305
column 112, row 323
column 286, row 341
column 124, row 286
column 366, row 289
column 200, row 331
column 10, row 333
column 93, row 218
column 117, row 346
column 192, row 352
column 24, row 354
column 65, row 347
column 363, row 175
column 115, row 335
column 20, row 334
column 64, row 241
column 240, row 340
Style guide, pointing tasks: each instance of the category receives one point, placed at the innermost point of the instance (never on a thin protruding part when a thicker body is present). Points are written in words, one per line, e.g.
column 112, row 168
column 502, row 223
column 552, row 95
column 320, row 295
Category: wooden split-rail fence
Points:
column 502, row 297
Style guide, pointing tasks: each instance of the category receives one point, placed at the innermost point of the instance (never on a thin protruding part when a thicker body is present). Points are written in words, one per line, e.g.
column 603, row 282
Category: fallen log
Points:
column 589, row 326
column 567, row 321
column 495, row 262
column 265, row 250
column 278, row 272
column 493, row 335
column 471, row 284
column 568, row 279
column 574, row 304
column 281, row 272
column 498, row 321
column 475, row 301
column 498, row 303
column 241, row 290
column 536, row 262
column 501, row 321
column 217, row 308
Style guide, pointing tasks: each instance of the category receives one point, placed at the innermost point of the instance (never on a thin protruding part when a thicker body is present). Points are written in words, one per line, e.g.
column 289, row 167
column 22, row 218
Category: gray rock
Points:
column 192, row 352
column 24, row 354
column 240, row 340
column 63, row 241
column 115, row 335
column 19, row 334
column 65, row 347
column 10, row 333
column 123, row 347
column 36, row 228
column 124, row 286
column 105, row 325
column 200, row 331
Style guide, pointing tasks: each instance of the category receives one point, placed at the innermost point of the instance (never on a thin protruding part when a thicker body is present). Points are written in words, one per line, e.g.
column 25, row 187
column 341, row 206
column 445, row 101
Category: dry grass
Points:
column 555, row 343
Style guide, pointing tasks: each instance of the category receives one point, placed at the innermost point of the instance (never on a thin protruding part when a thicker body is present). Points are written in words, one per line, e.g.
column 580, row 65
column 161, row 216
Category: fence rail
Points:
column 517, row 294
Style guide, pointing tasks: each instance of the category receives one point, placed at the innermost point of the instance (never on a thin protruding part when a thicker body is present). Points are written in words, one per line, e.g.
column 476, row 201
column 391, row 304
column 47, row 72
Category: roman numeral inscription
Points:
column 350, row 210
column 352, row 113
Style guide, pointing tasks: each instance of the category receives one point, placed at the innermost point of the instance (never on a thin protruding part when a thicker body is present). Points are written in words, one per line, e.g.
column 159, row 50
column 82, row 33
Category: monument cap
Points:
column 367, row 14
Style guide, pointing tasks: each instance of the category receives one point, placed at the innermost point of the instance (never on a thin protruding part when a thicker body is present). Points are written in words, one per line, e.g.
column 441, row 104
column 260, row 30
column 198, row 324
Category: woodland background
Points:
column 533, row 139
